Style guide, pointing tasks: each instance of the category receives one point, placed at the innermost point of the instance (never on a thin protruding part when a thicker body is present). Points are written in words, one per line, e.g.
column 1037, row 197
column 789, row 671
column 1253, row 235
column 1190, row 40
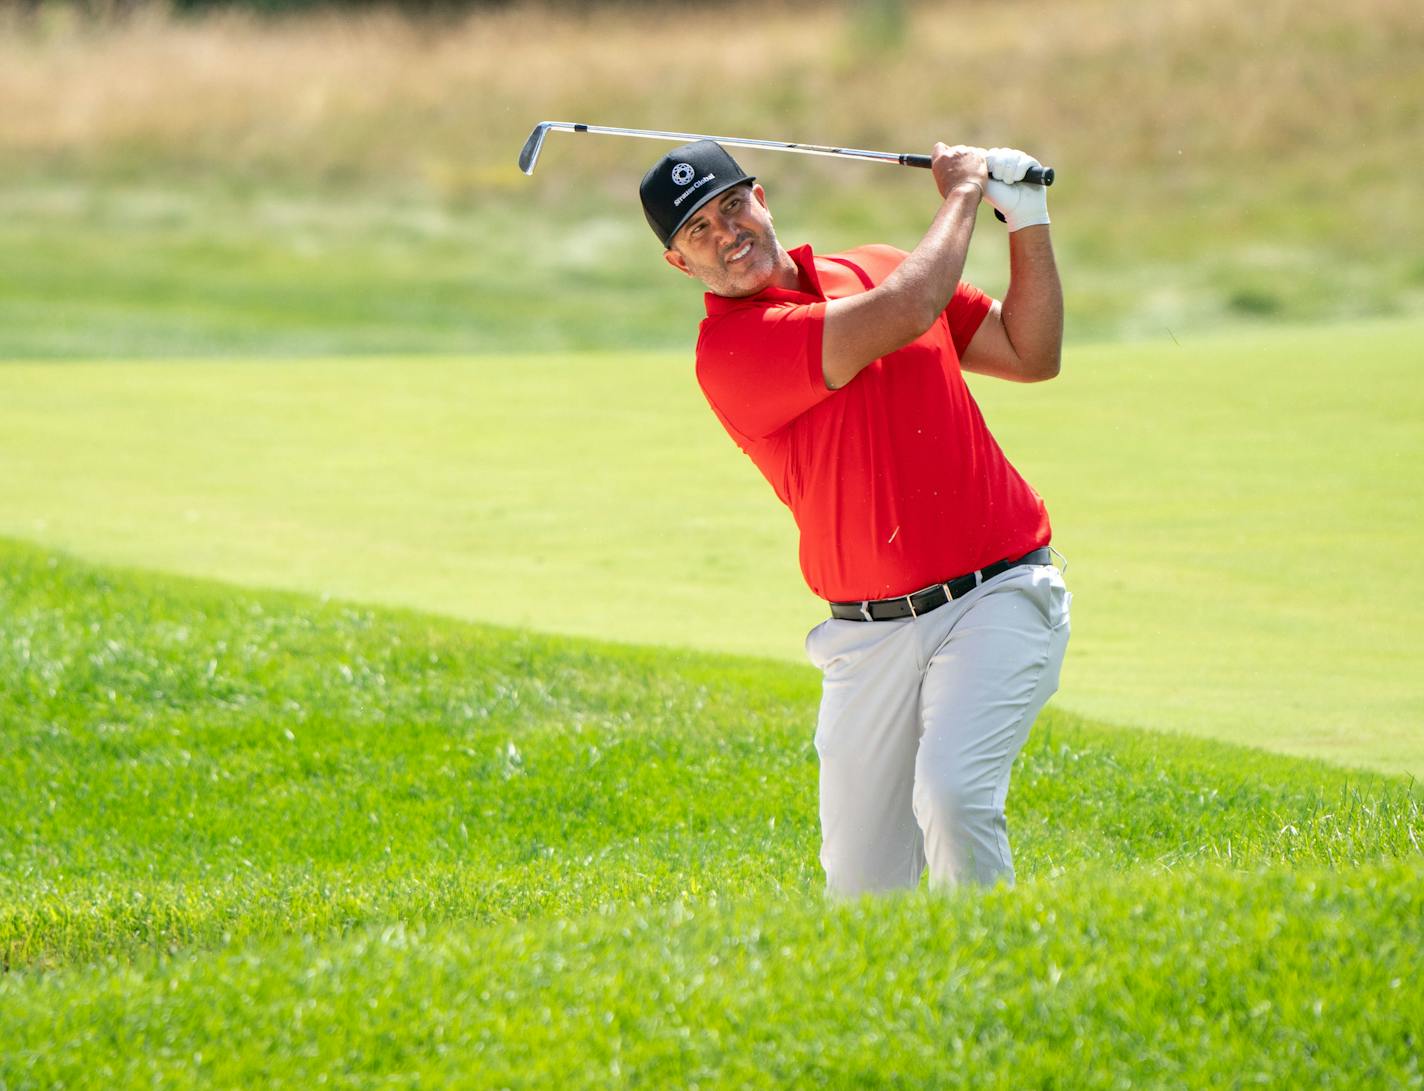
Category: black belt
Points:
column 934, row 596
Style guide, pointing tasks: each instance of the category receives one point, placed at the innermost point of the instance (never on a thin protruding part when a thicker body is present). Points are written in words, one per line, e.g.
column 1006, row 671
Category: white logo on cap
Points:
column 682, row 173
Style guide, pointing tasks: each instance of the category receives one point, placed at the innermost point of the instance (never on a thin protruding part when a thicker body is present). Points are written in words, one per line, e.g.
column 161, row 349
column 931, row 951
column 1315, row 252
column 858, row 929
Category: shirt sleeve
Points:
column 760, row 367
column 965, row 314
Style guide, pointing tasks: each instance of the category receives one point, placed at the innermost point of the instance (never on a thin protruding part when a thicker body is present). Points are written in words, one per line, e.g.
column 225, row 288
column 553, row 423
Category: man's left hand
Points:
column 1022, row 204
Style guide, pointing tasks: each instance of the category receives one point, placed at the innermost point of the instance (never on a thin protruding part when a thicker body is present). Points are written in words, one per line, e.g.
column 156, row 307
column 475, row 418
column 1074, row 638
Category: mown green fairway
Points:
column 1239, row 512
column 254, row 840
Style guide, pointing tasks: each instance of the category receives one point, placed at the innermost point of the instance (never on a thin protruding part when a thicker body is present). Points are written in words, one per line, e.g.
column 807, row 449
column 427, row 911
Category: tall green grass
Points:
column 254, row 838
column 1204, row 980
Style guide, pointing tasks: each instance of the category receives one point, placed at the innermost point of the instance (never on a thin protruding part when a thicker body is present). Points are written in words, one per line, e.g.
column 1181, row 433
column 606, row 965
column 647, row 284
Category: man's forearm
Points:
column 1033, row 305
column 930, row 273
column 862, row 328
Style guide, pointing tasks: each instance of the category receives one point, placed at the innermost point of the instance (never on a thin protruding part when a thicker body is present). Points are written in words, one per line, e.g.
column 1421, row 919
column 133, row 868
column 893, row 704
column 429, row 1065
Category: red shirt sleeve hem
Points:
column 816, row 334
column 967, row 309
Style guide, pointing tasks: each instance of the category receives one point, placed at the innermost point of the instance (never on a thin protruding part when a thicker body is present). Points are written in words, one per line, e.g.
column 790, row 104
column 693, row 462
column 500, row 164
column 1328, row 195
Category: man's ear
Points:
column 760, row 195
column 673, row 258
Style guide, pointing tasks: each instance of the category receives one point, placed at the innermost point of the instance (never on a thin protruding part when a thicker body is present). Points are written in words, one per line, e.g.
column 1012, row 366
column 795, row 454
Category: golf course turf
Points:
column 254, row 837
column 1225, row 503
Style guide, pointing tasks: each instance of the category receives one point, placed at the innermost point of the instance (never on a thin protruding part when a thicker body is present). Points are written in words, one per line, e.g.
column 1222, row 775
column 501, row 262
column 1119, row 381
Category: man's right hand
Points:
column 956, row 166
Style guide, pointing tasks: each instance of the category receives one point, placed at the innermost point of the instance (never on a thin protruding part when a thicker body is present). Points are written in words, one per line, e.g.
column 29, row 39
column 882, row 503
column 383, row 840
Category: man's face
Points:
column 729, row 243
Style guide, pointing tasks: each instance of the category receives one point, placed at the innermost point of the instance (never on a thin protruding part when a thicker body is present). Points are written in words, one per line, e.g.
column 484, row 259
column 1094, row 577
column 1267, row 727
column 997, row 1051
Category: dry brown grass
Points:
column 1188, row 93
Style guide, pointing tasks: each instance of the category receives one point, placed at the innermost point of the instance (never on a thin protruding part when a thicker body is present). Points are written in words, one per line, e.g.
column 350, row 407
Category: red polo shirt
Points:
column 894, row 480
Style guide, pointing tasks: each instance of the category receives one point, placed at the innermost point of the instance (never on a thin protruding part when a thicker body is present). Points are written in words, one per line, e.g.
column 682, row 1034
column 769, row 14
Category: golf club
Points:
column 529, row 156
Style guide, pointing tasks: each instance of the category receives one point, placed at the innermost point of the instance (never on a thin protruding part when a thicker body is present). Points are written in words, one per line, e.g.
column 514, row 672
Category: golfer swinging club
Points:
column 841, row 377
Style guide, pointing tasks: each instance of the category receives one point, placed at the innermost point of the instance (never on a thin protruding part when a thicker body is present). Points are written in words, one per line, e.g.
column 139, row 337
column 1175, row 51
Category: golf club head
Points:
column 530, row 154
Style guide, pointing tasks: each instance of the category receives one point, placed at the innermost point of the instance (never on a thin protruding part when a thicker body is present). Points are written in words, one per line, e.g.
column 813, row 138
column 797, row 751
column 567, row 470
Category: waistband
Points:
column 933, row 596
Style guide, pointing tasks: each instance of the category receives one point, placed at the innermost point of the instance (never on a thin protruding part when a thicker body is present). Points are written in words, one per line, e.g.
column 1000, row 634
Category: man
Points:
column 840, row 376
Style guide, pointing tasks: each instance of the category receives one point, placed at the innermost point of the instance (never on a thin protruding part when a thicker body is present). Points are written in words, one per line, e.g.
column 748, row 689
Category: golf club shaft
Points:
column 1038, row 175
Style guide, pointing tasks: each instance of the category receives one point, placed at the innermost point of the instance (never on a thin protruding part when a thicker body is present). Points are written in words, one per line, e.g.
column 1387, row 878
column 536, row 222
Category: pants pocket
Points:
column 829, row 643
column 813, row 645
column 1052, row 596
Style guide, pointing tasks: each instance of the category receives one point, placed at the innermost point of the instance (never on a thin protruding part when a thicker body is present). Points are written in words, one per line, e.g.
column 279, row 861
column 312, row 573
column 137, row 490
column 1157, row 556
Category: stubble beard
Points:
column 745, row 280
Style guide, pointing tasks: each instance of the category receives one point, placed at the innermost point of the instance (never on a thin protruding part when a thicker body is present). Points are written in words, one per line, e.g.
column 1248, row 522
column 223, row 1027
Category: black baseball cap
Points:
column 683, row 181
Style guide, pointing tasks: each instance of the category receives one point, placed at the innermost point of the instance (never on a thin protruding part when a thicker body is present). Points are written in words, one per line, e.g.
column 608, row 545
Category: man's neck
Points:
column 788, row 273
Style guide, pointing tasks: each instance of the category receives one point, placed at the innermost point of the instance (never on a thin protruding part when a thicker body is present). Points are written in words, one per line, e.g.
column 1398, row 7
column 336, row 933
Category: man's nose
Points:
column 723, row 230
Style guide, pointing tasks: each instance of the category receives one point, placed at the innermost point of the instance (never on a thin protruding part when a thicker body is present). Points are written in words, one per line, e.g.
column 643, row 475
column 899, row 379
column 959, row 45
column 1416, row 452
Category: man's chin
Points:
column 750, row 282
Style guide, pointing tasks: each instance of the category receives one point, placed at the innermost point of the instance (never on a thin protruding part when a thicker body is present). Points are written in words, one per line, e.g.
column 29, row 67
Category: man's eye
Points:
column 732, row 206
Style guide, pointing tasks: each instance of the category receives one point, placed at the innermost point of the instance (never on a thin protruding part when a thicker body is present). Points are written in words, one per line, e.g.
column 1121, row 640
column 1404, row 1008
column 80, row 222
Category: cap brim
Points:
column 702, row 199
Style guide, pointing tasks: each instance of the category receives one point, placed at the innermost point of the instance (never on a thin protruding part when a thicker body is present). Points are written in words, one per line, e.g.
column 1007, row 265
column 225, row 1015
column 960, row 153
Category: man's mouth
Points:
column 740, row 253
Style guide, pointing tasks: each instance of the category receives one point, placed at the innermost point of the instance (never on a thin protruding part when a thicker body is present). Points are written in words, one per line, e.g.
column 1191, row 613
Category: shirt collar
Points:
column 805, row 261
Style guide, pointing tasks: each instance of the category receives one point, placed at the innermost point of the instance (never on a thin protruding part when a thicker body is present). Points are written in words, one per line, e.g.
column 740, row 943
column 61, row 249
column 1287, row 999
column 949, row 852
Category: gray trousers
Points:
column 920, row 722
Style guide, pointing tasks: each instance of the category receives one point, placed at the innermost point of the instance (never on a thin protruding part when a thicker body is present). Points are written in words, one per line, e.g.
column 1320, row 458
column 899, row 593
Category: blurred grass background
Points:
column 341, row 182
column 344, row 181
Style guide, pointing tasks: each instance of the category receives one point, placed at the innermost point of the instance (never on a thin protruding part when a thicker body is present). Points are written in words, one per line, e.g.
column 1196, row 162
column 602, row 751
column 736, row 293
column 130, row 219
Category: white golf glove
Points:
column 1022, row 205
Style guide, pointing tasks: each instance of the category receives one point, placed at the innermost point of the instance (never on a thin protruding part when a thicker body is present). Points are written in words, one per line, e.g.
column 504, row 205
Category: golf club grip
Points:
column 1039, row 176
